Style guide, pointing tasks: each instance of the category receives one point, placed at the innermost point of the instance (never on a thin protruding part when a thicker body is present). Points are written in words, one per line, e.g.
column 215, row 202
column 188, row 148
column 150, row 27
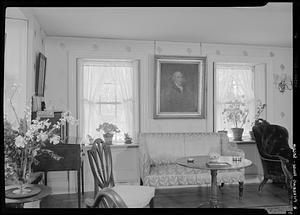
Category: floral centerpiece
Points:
column 236, row 113
column 259, row 109
column 109, row 129
column 22, row 145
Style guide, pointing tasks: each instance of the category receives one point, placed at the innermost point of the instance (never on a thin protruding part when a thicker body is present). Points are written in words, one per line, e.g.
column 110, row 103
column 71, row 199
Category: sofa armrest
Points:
column 230, row 148
column 144, row 159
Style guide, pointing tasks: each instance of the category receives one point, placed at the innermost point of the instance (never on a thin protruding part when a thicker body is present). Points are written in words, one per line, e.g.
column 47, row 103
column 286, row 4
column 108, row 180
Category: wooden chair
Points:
column 106, row 198
column 275, row 153
column 100, row 160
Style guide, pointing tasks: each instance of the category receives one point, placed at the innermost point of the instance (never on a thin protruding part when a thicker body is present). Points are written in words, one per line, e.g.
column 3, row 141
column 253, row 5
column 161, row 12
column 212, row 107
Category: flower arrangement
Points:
column 25, row 143
column 236, row 112
column 108, row 128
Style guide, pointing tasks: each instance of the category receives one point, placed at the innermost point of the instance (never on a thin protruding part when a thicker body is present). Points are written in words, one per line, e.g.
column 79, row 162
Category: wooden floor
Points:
column 272, row 195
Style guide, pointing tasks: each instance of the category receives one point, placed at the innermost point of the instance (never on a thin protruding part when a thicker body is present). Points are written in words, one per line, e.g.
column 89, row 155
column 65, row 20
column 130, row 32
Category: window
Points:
column 15, row 65
column 234, row 83
column 108, row 94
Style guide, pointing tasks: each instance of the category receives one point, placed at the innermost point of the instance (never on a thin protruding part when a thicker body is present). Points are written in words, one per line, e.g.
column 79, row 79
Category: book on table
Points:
column 217, row 164
column 222, row 161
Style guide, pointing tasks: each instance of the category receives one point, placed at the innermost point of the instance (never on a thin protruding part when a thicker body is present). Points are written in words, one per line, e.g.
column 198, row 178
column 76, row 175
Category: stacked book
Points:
column 222, row 161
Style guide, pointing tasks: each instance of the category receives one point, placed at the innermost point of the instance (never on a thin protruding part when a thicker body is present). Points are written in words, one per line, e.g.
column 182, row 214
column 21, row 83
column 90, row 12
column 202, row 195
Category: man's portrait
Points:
column 179, row 85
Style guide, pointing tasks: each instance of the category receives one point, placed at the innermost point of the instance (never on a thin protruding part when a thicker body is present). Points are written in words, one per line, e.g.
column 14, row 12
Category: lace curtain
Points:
column 233, row 81
column 120, row 75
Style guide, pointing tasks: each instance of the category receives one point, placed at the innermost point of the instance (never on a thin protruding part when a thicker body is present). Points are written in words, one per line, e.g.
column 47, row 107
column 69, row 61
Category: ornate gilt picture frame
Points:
column 179, row 87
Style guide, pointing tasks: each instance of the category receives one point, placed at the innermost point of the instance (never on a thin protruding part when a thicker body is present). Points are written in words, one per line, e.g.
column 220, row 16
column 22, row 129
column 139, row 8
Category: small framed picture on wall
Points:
column 179, row 87
column 40, row 75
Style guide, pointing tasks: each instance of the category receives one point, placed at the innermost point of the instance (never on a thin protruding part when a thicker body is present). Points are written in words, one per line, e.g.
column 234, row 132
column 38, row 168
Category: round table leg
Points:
column 213, row 201
column 214, row 189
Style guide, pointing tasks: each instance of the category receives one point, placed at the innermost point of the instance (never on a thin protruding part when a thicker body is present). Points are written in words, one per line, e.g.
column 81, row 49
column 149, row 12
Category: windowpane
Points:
column 108, row 92
column 234, row 89
column 107, row 110
column 108, row 97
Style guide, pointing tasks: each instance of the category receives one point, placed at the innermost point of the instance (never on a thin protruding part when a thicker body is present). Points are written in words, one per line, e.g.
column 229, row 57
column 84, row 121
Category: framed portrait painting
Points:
column 40, row 75
column 179, row 87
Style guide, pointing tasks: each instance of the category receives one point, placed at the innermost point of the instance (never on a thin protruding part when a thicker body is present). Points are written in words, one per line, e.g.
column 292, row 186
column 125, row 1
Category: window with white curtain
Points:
column 108, row 93
column 233, row 81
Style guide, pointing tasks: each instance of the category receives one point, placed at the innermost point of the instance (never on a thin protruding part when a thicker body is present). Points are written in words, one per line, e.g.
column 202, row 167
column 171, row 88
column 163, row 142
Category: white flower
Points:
column 47, row 124
column 43, row 136
column 34, row 153
column 29, row 134
column 19, row 141
column 55, row 139
column 56, row 126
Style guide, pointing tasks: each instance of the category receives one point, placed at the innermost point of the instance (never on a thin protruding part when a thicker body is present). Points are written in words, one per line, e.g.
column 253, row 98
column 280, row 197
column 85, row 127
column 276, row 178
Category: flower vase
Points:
column 23, row 179
column 237, row 133
column 128, row 141
column 108, row 138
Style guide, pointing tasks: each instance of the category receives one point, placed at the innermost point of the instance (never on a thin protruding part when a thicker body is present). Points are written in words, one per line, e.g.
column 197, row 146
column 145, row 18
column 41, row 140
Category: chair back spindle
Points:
column 100, row 160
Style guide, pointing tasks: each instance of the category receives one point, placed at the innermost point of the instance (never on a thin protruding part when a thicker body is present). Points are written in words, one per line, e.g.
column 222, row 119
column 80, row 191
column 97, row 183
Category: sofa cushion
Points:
column 173, row 174
column 164, row 147
column 202, row 143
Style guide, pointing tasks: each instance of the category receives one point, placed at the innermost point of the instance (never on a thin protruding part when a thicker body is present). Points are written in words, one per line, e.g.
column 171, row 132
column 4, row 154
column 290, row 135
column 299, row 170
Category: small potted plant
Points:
column 260, row 108
column 236, row 113
column 127, row 138
column 109, row 130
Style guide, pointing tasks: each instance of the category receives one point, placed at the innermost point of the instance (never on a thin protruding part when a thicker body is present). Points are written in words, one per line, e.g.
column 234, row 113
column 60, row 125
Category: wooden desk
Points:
column 71, row 160
column 45, row 191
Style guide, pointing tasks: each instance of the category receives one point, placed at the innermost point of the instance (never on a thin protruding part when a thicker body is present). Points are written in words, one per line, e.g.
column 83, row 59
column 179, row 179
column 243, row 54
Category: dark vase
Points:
column 237, row 133
column 128, row 141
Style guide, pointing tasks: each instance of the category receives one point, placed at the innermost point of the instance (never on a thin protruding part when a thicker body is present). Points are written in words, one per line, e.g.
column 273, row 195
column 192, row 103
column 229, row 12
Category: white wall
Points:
column 36, row 44
column 60, row 51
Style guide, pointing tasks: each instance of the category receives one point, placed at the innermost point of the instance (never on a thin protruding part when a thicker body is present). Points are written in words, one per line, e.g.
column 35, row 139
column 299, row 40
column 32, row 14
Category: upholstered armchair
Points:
column 275, row 153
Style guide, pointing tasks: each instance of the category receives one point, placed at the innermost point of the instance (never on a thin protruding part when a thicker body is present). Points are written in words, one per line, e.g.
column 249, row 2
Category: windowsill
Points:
column 119, row 145
column 245, row 140
column 124, row 145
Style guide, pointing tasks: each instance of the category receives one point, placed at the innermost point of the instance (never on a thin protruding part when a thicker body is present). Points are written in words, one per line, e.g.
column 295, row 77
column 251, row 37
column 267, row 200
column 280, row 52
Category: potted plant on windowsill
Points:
column 260, row 108
column 236, row 112
column 127, row 138
column 109, row 130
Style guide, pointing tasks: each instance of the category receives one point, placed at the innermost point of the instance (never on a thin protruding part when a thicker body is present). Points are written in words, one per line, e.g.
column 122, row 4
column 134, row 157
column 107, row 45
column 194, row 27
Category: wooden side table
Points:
column 18, row 203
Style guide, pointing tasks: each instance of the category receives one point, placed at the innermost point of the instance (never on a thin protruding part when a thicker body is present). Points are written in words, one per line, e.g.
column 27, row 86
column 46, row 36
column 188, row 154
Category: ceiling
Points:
column 270, row 25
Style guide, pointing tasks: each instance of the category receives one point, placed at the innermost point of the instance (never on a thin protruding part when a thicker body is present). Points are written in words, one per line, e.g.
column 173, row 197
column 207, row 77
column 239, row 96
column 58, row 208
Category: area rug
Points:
column 287, row 209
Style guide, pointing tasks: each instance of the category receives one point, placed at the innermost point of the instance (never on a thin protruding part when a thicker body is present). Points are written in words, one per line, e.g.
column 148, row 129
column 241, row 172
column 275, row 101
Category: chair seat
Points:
column 135, row 196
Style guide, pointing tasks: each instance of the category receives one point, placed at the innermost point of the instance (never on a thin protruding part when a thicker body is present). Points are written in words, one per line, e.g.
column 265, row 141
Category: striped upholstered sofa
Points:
column 159, row 152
